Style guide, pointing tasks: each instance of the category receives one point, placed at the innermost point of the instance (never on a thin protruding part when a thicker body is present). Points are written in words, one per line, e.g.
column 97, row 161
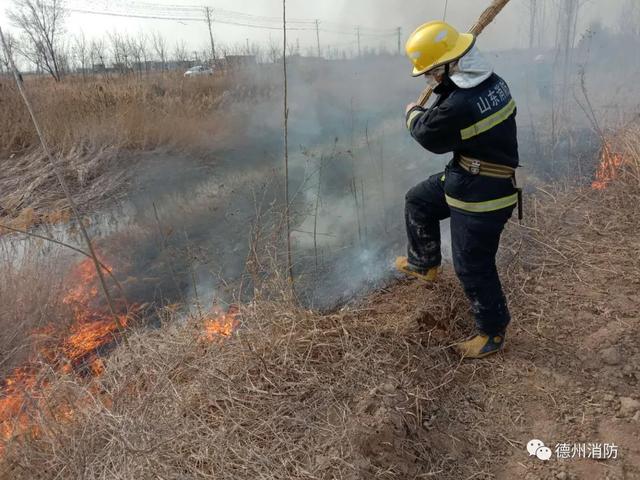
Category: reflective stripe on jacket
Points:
column 479, row 123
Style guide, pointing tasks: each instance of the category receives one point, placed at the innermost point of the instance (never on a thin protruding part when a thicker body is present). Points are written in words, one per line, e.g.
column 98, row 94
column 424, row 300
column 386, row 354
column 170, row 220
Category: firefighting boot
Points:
column 481, row 346
column 426, row 275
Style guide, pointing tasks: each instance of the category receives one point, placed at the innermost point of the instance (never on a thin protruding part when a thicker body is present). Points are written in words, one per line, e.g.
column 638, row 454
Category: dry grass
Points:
column 291, row 395
column 30, row 295
column 128, row 112
column 352, row 394
column 89, row 124
column 629, row 146
column 31, row 193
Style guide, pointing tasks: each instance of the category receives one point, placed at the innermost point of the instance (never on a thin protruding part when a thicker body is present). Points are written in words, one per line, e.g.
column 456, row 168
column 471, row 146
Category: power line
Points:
column 183, row 19
column 195, row 13
column 133, row 15
column 153, row 9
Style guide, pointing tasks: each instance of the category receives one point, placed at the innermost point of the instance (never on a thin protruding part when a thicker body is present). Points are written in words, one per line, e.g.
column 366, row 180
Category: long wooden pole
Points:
column 485, row 19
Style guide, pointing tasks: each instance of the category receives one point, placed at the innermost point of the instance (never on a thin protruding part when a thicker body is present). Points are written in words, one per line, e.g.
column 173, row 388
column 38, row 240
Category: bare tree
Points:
column 292, row 49
column 97, row 55
column 159, row 45
column 5, row 65
column 136, row 47
column 120, row 52
column 81, row 53
column 568, row 13
column 274, row 50
column 180, row 52
column 64, row 55
column 566, row 36
column 143, row 47
column 41, row 22
column 258, row 52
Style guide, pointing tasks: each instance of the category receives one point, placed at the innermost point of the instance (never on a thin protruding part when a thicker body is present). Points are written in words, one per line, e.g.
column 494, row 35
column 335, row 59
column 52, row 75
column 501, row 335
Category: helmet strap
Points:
column 446, row 79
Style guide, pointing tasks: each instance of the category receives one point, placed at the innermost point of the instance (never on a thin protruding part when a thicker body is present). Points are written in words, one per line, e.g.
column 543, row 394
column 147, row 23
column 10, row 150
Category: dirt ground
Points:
column 570, row 372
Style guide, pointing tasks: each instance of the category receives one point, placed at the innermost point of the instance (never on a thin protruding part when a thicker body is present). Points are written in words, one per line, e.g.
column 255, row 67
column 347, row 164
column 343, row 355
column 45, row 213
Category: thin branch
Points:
column 286, row 144
column 75, row 249
column 63, row 185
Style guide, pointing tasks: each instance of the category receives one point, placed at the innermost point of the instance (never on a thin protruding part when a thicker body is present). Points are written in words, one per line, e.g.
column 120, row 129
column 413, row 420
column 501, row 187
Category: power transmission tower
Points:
column 318, row 37
column 399, row 40
column 209, row 18
column 358, row 35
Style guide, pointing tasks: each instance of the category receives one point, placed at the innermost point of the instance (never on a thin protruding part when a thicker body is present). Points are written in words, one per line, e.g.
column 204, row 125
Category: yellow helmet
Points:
column 436, row 43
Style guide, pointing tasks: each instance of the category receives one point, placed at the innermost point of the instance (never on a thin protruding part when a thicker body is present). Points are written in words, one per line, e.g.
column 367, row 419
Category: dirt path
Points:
column 569, row 376
column 573, row 364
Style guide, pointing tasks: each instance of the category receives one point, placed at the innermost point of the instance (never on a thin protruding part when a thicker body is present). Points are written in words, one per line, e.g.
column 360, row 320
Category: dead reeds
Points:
column 292, row 394
column 30, row 295
column 122, row 112
column 366, row 392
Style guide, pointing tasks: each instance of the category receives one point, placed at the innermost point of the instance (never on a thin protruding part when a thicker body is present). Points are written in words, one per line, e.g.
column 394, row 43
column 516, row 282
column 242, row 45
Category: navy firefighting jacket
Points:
column 479, row 123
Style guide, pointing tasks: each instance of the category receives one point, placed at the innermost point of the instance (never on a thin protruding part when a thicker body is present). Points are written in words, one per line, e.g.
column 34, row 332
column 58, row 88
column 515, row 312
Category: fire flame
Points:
column 92, row 327
column 16, row 388
column 220, row 324
column 608, row 169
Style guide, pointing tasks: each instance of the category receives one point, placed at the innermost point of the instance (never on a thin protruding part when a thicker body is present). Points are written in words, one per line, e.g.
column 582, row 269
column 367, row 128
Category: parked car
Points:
column 198, row 71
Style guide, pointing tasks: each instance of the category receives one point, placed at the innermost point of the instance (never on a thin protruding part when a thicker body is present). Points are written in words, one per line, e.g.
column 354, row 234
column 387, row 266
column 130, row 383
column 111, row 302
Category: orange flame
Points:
column 608, row 169
column 17, row 388
column 220, row 324
column 92, row 327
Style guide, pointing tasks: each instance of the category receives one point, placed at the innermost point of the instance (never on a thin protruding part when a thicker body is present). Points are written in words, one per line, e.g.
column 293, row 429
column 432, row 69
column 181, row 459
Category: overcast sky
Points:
column 511, row 30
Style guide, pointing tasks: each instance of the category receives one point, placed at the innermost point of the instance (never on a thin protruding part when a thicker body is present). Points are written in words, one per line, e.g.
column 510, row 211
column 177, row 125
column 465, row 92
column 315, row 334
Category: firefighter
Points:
column 473, row 116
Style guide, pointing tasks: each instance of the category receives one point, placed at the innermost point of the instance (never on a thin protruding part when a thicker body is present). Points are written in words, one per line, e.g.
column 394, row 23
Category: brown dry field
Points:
column 134, row 112
column 91, row 125
column 374, row 390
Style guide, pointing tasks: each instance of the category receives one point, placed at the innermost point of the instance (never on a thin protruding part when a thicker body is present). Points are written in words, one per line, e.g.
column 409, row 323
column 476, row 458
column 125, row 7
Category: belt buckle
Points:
column 474, row 168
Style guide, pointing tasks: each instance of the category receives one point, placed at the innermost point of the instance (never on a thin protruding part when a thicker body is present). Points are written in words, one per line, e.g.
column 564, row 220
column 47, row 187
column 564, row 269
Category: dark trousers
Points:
column 474, row 241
